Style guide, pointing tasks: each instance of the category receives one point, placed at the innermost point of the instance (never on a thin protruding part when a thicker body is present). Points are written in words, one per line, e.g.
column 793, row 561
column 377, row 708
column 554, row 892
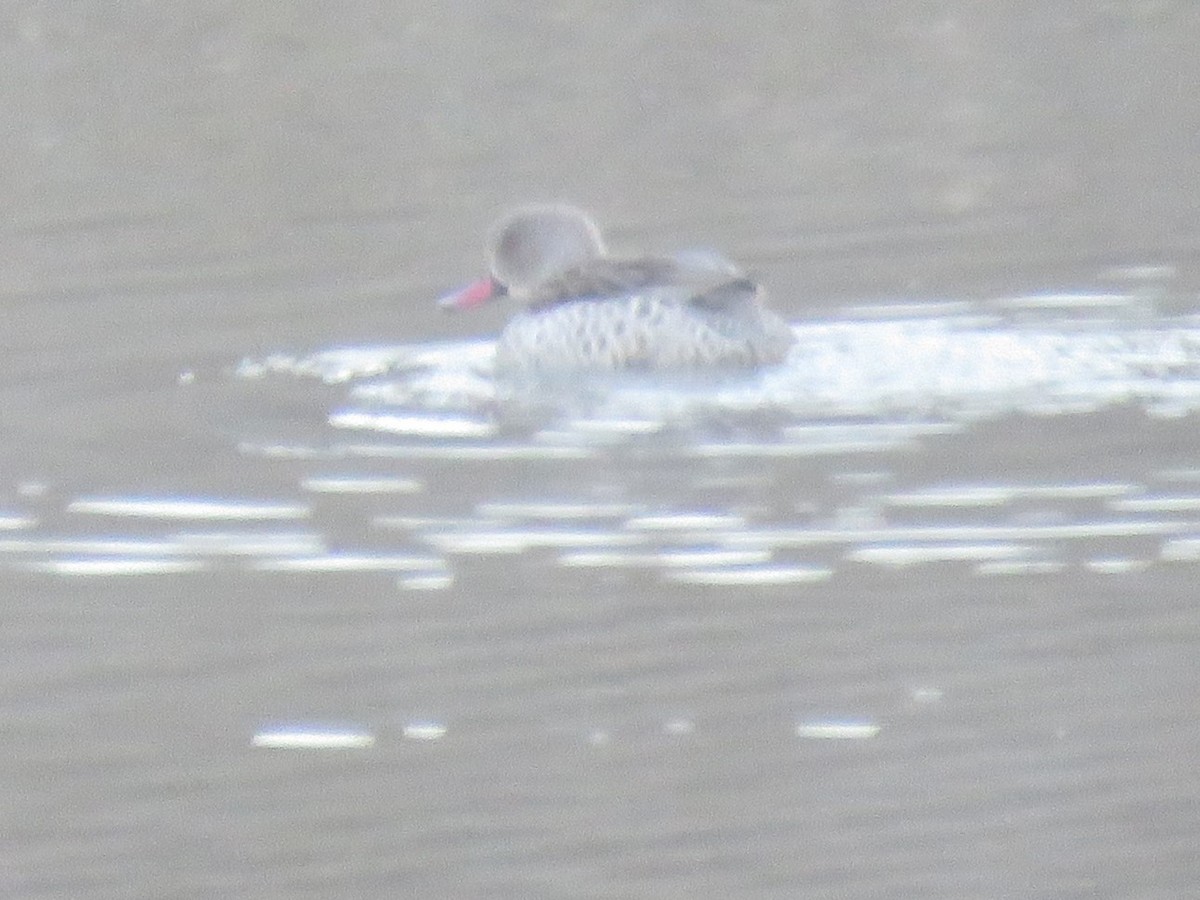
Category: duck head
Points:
column 527, row 248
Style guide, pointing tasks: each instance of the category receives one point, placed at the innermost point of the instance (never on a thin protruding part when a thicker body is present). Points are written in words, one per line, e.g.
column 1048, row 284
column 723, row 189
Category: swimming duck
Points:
column 584, row 310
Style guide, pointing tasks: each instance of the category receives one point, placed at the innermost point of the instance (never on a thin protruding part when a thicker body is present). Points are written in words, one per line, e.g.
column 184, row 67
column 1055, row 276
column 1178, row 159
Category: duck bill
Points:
column 474, row 294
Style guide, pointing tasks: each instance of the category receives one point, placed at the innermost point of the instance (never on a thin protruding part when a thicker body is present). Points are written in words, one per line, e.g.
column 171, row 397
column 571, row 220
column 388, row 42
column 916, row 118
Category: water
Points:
column 873, row 391
column 648, row 610
column 298, row 602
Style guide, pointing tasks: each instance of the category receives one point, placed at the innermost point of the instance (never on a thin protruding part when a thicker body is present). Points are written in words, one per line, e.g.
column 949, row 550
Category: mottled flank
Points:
column 587, row 311
column 658, row 329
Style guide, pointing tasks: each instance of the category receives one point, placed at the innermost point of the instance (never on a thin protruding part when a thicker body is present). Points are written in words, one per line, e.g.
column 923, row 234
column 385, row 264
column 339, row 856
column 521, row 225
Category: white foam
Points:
column 684, row 520
column 283, row 451
column 467, row 452
column 112, row 547
column 312, row 737
column 948, row 362
column 1097, row 490
column 838, row 730
column 110, row 567
column 348, row 562
column 1021, row 567
column 185, row 508
column 425, row 426
column 963, row 496
column 782, row 450
column 554, row 510
column 752, row 575
column 1116, row 566
column 355, row 484
column 424, row 731
column 1068, row 301
column 426, row 581
column 1159, row 504
column 711, row 558
column 949, row 534
column 348, row 363
column 518, row 540
column 900, row 555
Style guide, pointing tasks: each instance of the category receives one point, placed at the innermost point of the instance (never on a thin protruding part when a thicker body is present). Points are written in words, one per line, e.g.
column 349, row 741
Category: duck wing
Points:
column 731, row 304
column 703, row 278
column 603, row 278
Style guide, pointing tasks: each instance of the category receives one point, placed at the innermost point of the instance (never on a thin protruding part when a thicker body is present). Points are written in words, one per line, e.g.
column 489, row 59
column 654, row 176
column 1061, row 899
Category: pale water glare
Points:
column 977, row 363
column 875, row 386
column 297, row 602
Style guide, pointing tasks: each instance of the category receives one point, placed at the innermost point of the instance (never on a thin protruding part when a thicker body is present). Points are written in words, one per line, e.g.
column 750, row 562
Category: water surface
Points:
column 297, row 602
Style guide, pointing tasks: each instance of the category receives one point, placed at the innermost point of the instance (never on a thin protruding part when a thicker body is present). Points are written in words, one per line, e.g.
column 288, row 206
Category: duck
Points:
column 584, row 310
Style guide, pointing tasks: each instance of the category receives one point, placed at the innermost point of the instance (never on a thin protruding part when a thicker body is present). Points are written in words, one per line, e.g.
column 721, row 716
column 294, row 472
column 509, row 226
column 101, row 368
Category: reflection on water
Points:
column 911, row 616
column 867, row 391
column 910, row 568
column 1035, row 354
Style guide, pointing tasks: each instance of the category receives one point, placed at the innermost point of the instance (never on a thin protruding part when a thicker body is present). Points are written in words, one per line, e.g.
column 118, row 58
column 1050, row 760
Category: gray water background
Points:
column 188, row 186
